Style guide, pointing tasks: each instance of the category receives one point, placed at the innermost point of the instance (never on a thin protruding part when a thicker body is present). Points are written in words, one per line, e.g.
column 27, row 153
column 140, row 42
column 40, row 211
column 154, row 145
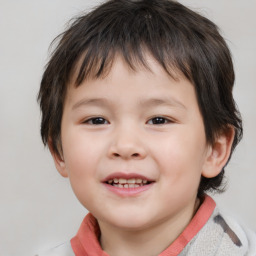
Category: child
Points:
column 138, row 113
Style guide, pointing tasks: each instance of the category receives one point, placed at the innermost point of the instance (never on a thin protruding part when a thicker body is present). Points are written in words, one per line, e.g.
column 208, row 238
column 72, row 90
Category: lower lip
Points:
column 126, row 192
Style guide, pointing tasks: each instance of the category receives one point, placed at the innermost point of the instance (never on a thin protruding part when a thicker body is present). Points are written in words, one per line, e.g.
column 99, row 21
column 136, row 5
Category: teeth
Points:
column 127, row 183
column 122, row 181
column 131, row 181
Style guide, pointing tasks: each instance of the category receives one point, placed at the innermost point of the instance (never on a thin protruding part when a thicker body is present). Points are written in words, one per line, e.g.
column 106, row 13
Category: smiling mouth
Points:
column 127, row 183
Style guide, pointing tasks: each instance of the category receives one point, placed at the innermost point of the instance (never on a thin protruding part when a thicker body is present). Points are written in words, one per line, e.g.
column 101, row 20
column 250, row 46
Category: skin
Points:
column 173, row 153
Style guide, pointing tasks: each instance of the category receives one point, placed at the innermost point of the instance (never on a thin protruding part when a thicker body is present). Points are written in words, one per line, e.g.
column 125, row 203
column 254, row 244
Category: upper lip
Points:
column 120, row 175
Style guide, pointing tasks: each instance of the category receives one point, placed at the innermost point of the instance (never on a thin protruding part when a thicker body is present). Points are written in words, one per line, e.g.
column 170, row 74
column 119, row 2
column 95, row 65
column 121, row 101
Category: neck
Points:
column 148, row 241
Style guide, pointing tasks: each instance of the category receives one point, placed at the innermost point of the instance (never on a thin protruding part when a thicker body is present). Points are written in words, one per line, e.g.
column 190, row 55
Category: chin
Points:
column 129, row 222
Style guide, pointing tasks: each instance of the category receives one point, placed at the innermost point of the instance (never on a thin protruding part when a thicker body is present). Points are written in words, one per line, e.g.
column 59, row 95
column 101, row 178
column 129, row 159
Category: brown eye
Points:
column 158, row 120
column 96, row 121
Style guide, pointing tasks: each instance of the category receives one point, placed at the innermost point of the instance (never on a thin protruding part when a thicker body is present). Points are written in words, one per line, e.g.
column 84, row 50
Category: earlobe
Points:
column 58, row 160
column 218, row 153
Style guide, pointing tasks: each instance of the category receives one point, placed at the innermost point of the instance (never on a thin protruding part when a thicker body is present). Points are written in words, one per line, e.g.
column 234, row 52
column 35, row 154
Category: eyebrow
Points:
column 96, row 101
column 168, row 101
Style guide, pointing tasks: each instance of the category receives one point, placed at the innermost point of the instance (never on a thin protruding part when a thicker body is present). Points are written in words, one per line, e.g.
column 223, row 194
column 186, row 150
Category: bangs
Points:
column 97, row 38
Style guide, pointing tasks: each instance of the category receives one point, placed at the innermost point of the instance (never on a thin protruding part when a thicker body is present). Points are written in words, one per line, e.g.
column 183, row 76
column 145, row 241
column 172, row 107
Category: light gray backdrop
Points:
column 38, row 209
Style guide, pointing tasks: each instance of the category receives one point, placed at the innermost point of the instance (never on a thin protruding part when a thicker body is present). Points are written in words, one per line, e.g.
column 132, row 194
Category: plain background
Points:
column 38, row 209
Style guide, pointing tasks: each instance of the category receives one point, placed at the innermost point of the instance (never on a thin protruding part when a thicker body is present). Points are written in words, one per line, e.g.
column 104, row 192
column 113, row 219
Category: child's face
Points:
column 142, row 125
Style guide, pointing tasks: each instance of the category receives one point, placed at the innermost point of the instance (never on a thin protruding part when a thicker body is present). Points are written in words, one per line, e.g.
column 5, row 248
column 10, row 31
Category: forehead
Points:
column 149, row 83
column 97, row 71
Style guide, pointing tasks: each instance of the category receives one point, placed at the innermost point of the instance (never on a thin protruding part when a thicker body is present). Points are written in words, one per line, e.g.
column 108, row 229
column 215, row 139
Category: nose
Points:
column 127, row 144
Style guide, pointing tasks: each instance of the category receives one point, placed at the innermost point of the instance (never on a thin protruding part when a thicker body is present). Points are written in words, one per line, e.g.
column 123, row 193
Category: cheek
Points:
column 81, row 160
column 181, row 156
column 180, row 170
column 81, row 154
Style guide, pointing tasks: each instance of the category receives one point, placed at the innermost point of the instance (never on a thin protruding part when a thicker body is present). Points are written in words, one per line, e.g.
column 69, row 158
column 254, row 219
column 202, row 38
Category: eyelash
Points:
column 159, row 120
column 91, row 120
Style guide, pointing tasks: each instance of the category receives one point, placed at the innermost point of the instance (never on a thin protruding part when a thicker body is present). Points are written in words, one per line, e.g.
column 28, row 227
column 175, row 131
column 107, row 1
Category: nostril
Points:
column 133, row 155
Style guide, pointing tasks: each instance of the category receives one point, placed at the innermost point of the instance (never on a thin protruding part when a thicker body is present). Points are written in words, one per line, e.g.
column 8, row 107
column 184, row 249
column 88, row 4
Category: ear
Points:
column 58, row 159
column 218, row 153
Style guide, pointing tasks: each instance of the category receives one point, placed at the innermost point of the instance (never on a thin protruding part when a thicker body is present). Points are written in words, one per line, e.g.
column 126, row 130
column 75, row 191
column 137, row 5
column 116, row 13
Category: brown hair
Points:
column 177, row 37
